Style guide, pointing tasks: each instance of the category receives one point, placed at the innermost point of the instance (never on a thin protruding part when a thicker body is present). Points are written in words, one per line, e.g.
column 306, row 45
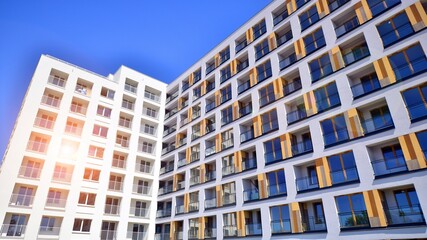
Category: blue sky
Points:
column 160, row 38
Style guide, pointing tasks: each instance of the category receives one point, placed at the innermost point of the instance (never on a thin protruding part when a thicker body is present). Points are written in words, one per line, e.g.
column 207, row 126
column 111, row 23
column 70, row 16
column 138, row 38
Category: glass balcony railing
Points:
column 389, row 166
column 130, row 88
column 56, row 202
column 307, row 183
column 210, row 150
column 269, row 126
column 21, row 200
column 13, row 230
column 284, row 38
column 168, row 131
column 136, row 235
column 312, row 224
column 247, row 135
column 165, row 189
column 241, row 45
column 164, row 212
column 404, row 215
column 225, row 76
column 354, row 219
column 152, row 96
column 227, row 170
column 37, row 146
column 210, row 87
column 44, row 123
column 210, row 232
column 210, row 68
column 51, row 101
column 329, row 102
column 375, row 125
column 336, row 4
column 356, row 54
column 280, row 17
column 243, row 86
column 259, row 31
column 229, row 199
column 242, row 65
column 166, row 169
column 302, row 147
column 296, row 115
column 281, row 226
column 26, row 171
column 210, row 175
column 288, row 61
column 340, row 135
column 210, row 203
column 347, row 26
column 171, row 97
column 141, row 189
column 417, row 111
column 57, row 81
column 276, row 189
column 382, row 6
column 253, row 229
column 274, row 156
column 362, row 89
column 245, row 110
column 248, row 163
column 111, row 209
column 179, row 209
column 291, row 87
column 195, row 156
column 115, row 186
column 345, row 175
column 210, row 106
column 407, row 70
column 230, row 231
column 250, row 195
column 108, row 234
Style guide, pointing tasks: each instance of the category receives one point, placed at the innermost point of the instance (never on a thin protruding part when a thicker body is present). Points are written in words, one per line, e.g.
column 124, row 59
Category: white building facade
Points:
column 308, row 122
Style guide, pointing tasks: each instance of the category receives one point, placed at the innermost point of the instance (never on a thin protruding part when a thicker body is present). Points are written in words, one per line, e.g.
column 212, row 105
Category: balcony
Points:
column 179, row 209
column 347, row 26
column 152, row 96
column 210, row 67
column 296, row 115
column 406, row 215
column 115, row 186
column 171, row 113
column 168, row 131
column 193, row 233
column 172, row 97
column 344, row 176
column 280, row 17
column 272, row 157
column 21, row 200
column 336, row 4
column 134, row 235
column 168, row 149
column 243, row 86
column 314, row 224
column 332, row 138
column 382, row 6
column 193, row 207
column 253, row 229
column 292, row 87
column 194, row 180
column 165, row 189
column 307, row 183
column 112, row 209
column 44, row 123
column 357, row 219
column 210, row 150
column 277, row 190
column 49, row 232
column 180, row 185
column 250, row 195
column 229, row 199
column 210, row 232
column 242, row 65
column 163, row 213
column 284, row 38
column 78, row 109
column 210, row 106
column 141, row 189
column 301, row 147
column 247, row 135
column 37, row 146
column 269, row 126
column 51, row 101
column 128, row 105
column 362, row 89
column 227, row 143
column 417, row 111
column 185, row 86
column 245, row 110
column 374, row 125
column 182, row 162
column 230, row 231
column 13, row 230
column 29, row 172
column 195, row 156
column 108, row 234
column 122, row 142
column 57, row 81
column 210, row 86
column 356, row 54
column 130, row 88
column 145, row 149
column 56, row 202
column 125, row 123
column 249, row 163
column 150, row 113
column 391, row 165
column 209, row 176
column 210, row 203
column 241, row 45
column 62, row 177
column 288, row 61
column 281, row 226
column 166, row 169
column 143, row 168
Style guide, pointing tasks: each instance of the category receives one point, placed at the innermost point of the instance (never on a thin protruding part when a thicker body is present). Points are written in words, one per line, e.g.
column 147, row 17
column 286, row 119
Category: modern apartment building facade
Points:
column 308, row 122
column 82, row 159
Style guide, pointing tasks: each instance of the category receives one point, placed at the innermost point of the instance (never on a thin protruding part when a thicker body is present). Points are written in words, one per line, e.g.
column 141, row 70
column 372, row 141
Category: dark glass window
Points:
column 314, row 41
column 326, row 97
column 379, row 6
column 394, row 29
column 269, row 121
column 320, row 68
column 261, row 49
column 393, row 156
column 408, row 62
column 370, row 82
column 343, row 167
column 276, row 182
column 422, row 139
column 264, row 71
column 352, row 211
column 334, row 130
column 309, row 17
column 416, row 102
column 280, row 219
column 266, row 95
column 273, row 150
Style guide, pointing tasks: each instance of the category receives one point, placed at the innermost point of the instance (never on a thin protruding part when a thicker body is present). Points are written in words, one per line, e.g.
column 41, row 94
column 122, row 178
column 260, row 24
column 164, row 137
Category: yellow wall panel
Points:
column 295, row 217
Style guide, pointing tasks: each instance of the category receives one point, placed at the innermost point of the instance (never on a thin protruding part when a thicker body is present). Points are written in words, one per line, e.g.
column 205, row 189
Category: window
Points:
column 226, row 115
column 103, row 111
column 261, row 49
column 280, row 219
column 334, row 130
column 276, row 183
column 393, row 156
column 17, row 226
column 320, row 67
column 319, row 216
column 87, row 199
column 327, row 97
column 394, row 29
column 119, row 161
column 422, row 139
column 53, row 197
column 82, row 225
column 416, row 102
column 408, row 62
column 264, row 71
column 380, row 119
column 224, row 55
column 125, row 122
column 47, row 224
column 314, row 41
column 91, row 174
column 225, row 94
column 273, row 150
column 343, row 168
column 379, row 6
column 259, row 29
column 368, row 83
column 269, row 121
column 266, row 95
column 149, row 129
column 312, row 176
column 96, row 152
column 60, row 173
column 72, row 127
column 308, row 17
column 228, row 165
column 100, row 131
column 151, row 112
column 406, row 198
column 108, row 93
column 227, row 139
column 301, row 3
column 352, row 211
column 127, row 104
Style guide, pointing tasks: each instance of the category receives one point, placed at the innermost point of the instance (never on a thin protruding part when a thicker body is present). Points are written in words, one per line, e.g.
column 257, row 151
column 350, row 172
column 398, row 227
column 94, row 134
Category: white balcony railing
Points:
column 37, row 146
column 29, row 172
column 51, row 101
column 43, row 123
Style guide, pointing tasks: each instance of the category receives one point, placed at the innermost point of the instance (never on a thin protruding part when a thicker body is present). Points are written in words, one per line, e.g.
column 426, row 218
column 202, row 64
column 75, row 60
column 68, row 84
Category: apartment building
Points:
column 308, row 122
column 84, row 155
